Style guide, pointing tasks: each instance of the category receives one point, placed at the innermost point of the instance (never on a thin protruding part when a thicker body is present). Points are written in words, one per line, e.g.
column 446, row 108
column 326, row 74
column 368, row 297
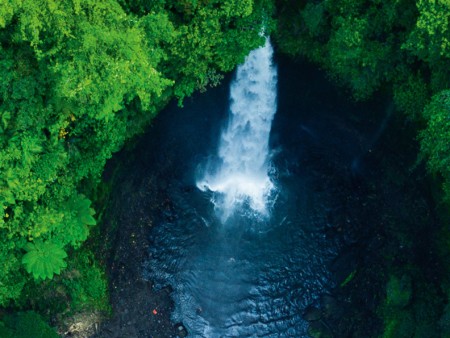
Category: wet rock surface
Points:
column 312, row 314
column 138, row 310
column 383, row 205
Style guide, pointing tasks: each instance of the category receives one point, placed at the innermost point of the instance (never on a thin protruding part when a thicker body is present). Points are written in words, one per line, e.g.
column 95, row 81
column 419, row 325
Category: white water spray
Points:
column 242, row 175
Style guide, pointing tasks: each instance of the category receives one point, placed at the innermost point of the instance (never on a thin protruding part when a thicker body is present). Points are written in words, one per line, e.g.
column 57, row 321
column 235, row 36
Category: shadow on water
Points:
column 251, row 276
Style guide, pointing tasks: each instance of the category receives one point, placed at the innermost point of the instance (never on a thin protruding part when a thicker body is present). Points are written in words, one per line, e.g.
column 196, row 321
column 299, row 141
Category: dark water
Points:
column 255, row 277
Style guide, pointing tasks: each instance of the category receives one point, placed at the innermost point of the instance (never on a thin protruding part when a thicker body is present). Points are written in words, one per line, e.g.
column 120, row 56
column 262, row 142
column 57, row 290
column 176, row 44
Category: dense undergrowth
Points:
column 80, row 78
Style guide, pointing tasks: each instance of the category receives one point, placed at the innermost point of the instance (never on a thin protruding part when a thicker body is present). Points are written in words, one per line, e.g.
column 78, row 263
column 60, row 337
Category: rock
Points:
column 330, row 306
column 319, row 329
column 312, row 314
column 162, row 184
column 167, row 289
column 351, row 235
column 181, row 330
column 343, row 266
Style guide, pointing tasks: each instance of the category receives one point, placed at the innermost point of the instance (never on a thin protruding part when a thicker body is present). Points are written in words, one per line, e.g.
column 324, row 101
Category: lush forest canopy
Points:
column 81, row 77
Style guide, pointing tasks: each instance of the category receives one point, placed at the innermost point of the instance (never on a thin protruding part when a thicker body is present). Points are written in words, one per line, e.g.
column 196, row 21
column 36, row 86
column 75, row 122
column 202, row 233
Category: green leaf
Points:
column 88, row 219
column 81, row 205
column 348, row 279
column 44, row 259
column 5, row 117
column 6, row 196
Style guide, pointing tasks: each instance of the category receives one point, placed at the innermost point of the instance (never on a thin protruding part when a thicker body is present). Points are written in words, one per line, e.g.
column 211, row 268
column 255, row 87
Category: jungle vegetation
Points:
column 79, row 78
column 400, row 49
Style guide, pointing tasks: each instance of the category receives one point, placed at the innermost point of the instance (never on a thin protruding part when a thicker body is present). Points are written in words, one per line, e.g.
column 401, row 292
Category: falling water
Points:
column 256, row 276
column 241, row 174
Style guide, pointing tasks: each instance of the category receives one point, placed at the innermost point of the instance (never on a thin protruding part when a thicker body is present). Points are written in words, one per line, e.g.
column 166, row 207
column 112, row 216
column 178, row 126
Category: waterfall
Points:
column 241, row 174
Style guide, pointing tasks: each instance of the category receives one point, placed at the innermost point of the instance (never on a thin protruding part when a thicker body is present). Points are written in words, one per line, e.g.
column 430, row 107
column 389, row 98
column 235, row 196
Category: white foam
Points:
column 242, row 175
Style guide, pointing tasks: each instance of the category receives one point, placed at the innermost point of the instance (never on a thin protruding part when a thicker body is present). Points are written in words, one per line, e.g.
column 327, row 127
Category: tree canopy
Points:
column 79, row 78
column 399, row 47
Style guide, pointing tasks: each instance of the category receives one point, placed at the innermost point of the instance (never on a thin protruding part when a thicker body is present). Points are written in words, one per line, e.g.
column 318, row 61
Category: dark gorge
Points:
column 349, row 218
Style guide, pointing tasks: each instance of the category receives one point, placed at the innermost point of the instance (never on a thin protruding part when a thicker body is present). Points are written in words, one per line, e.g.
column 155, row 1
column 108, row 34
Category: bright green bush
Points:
column 85, row 283
column 79, row 79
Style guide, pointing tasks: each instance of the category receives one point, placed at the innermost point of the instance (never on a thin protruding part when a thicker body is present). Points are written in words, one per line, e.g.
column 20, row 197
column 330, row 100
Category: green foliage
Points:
column 429, row 40
column 85, row 283
column 81, row 288
column 11, row 278
column 79, row 79
column 207, row 45
column 78, row 215
column 355, row 42
column 313, row 16
column 399, row 291
column 412, row 95
column 435, row 139
column 399, row 326
column 44, row 259
column 411, row 312
column 348, row 279
column 25, row 325
column 401, row 48
column 369, row 46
